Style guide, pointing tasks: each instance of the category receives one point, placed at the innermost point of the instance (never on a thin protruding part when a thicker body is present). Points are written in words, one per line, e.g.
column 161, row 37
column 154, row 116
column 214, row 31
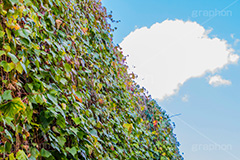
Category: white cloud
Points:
column 233, row 58
column 236, row 41
column 218, row 81
column 169, row 53
column 185, row 98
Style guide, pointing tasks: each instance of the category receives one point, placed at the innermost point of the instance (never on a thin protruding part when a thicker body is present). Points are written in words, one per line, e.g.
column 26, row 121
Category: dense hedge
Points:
column 65, row 90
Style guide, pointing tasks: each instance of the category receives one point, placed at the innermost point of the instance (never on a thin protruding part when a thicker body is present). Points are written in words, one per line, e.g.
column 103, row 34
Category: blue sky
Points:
column 208, row 127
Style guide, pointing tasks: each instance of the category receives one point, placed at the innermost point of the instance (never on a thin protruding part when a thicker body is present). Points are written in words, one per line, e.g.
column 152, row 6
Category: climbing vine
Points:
column 65, row 89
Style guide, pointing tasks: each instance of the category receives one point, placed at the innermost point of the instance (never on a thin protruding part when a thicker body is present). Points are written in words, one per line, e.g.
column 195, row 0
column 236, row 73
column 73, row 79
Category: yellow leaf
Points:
column 95, row 140
column 63, row 53
column 27, row 134
column 73, row 37
column 85, row 30
column 22, row 8
column 13, row 107
column 74, row 87
column 100, row 86
column 64, row 106
column 7, row 47
column 19, row 68
column 17, row 27
column 128, row 126
column 11, row 156
column 24, row 48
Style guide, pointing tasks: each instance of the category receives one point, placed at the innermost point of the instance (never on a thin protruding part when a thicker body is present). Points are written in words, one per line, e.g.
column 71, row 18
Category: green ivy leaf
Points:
column 2, row 34
column 61, row 121
column 45, row 153
column 21, row 155
column 67, row 67
column 34, row 153
column 7, row 47
column 77, row 120
column 24, row 67
column 13, row 57
column 39, row 99
column 7, row 95
column 9, row 136
column 63, row 81
column 7, row 66
column 2, row 53
column 94, row 132
column 61, row 141
column 13, row 107
column 29, row 112
column 19, row 68
column 8, row 147
column 72, row 150
column 52, row 98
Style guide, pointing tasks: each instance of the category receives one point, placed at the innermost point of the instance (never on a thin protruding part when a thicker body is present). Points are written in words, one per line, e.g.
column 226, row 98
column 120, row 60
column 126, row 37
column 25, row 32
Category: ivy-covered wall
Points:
column 65, row 89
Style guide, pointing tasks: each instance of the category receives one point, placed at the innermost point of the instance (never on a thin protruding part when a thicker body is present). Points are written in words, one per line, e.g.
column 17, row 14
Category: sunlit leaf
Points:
column 21, row 155
column 13, row 57
column 19, row 68
column 2, row 34
column 7, row 66
column 13, row 107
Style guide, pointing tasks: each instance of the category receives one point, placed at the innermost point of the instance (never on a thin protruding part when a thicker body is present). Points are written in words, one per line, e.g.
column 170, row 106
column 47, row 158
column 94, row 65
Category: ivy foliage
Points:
column 65, row 89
